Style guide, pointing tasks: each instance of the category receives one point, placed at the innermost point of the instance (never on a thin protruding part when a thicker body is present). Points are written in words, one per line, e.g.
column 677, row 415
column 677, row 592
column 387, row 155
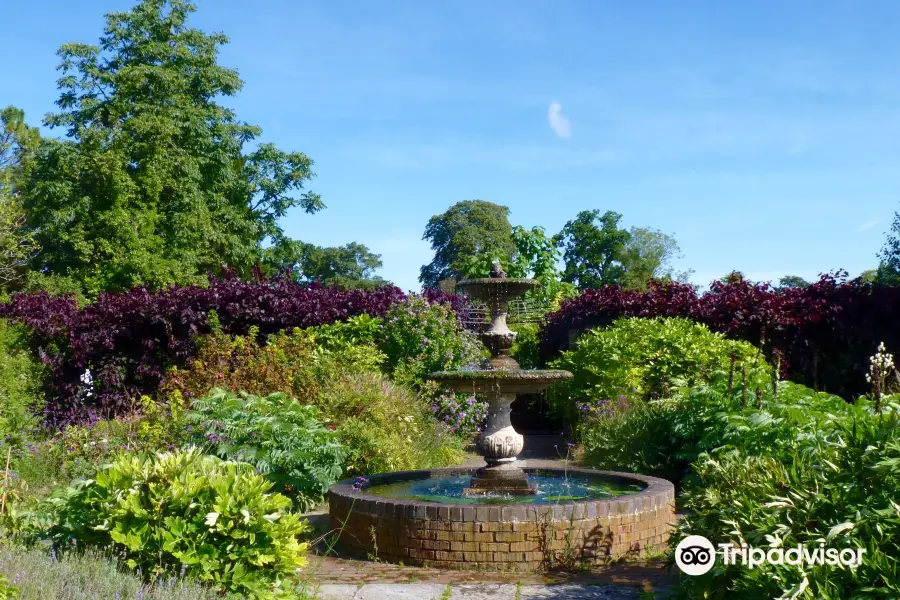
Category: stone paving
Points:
column 482, row 591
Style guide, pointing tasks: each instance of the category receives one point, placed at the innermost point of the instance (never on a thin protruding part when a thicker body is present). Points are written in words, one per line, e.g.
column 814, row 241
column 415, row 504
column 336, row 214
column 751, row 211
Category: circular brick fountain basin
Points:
column 507, row 537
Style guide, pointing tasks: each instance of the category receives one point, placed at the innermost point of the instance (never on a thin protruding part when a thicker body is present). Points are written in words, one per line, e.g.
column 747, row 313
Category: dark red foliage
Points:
column 129, row 340
column 825, row 334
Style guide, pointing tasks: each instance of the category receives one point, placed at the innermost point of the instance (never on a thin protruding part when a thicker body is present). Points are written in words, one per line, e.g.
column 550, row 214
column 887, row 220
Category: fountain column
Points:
column 499, row 443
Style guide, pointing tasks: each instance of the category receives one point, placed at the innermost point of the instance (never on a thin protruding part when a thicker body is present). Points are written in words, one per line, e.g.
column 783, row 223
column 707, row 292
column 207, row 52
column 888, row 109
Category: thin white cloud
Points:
column 868, row 225
column 559, row 122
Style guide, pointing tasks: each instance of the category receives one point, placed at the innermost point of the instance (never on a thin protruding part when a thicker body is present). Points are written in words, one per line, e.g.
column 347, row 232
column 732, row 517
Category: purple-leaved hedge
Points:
column 129, row 340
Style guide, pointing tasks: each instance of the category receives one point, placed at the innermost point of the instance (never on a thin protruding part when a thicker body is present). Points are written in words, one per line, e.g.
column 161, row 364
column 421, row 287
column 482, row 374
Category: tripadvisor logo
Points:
column 696, row 555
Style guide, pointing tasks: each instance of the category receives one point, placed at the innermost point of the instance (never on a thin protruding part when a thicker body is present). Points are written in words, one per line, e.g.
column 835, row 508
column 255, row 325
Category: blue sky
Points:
column 764, row 135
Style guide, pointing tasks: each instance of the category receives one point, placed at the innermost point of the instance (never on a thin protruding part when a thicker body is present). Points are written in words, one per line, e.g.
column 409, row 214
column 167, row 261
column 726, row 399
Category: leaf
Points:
column 211, row 518
column 838, row 529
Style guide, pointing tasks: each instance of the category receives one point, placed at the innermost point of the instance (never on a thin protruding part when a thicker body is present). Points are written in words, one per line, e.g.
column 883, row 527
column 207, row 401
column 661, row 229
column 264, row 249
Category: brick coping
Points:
column 655, row 491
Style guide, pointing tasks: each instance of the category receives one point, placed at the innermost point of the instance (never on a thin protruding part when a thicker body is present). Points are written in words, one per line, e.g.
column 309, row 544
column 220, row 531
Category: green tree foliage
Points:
column 152, row 184
column 793, row 281
column 648, row 254
column 593, row 253
column 889, row 257
column 471, row 228
column 18, row 143
column 352, row 265
column 17, row 245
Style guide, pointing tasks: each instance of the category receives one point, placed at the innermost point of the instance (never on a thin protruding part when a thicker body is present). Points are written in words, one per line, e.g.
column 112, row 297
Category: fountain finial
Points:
column 497, row 271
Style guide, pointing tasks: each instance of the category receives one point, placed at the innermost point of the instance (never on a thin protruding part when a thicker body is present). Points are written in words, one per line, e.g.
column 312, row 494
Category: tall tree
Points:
column 352, row 265
column 593, row 253
column 152, row 184
column 889, row 258
column 793, row 281
column 471, row 228
column 648, row 254
column 18, row 142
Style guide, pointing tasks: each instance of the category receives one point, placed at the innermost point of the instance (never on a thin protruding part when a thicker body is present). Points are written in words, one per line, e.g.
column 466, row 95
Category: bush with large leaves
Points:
column 285, row 440
column 799, row 467
column 385, row 425
column 216, row 519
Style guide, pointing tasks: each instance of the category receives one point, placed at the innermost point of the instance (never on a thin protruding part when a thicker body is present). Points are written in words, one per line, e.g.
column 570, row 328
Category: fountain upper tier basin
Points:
column 496, row 289
column 498, row 381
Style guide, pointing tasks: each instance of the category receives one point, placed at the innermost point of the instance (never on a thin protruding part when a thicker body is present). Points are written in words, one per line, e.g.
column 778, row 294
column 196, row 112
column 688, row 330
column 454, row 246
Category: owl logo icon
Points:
column 695, row 555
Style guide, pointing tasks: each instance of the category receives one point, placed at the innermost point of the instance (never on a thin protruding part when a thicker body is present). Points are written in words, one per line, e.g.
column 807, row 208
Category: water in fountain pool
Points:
column 550, row 488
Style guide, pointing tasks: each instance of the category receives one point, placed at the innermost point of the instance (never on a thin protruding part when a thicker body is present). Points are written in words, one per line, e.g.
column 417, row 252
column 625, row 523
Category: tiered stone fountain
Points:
column 499, row 443
column 501, row 516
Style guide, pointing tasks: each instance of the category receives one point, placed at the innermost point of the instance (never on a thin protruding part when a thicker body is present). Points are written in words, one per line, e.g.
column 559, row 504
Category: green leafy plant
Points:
column 21, row 384
column 286, row 441
column 419, row 338
column 387, row 426
column 218, row 520
column 7, row 590
column 46, row 459
column 525, row 348
column 645, row 358
column 805, row 470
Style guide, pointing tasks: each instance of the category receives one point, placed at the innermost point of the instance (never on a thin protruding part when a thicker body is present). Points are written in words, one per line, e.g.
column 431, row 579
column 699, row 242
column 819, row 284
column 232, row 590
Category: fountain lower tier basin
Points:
column 498, row 381
column 594, row 516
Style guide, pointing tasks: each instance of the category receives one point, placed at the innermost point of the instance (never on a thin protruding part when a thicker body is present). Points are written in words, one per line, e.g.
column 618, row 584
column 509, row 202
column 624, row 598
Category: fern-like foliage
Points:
column 286, row 441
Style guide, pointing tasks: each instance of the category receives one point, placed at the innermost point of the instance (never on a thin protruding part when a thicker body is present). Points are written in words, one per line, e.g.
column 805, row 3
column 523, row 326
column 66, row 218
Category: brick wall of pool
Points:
column 502, row 537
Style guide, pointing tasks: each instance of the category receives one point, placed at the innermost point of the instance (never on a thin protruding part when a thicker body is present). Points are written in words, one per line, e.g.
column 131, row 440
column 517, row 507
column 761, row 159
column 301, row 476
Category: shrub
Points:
column 129, row 340
column 385, row 426
column 215, row 519
column 823, row 335
column 92, row 574
column 525, row 348
column 285, row 364
column 799, row 467
column 419, row 338
column 51, row 458
column 464, row 415
column 812, row 472
column 285, row 440
column 21, row 384
column 644, row 358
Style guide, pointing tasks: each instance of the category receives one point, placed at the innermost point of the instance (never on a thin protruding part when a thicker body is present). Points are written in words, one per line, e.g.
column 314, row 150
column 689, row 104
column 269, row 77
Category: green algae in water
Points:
column 551, row 488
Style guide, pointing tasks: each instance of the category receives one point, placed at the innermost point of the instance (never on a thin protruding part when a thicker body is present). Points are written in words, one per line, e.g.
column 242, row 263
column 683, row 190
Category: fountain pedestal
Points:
column 500, row 444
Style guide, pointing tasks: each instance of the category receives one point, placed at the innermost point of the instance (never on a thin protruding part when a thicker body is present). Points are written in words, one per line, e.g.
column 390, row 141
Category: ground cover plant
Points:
column 38, row 574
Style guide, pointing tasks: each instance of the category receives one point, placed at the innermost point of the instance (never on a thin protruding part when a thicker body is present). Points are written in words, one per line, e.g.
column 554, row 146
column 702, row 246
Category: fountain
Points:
column 499, row 443
column 501, row 516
